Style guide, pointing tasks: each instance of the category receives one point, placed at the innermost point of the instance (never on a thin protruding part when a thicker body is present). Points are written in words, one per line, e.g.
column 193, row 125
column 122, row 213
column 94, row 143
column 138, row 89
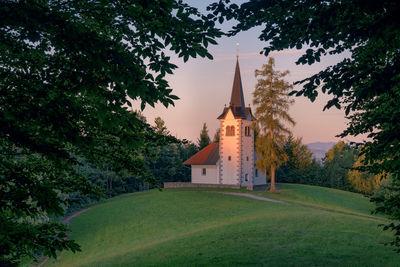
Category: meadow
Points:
column 310, row 226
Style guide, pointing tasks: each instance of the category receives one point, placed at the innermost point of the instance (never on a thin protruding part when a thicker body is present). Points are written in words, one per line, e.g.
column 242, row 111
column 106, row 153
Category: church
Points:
column 232, row 160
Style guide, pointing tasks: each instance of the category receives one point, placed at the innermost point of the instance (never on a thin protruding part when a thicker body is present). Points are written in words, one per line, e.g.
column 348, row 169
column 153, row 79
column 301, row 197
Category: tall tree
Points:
column 67, row 71
column 204, row 139
column 365, row 82
column 272, row 105
column 299, row 162
column 216, row 135
column 337, row 163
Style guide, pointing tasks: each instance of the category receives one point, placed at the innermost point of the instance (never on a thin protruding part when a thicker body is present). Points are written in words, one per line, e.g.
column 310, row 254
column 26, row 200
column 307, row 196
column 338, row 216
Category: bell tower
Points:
column 236, row 145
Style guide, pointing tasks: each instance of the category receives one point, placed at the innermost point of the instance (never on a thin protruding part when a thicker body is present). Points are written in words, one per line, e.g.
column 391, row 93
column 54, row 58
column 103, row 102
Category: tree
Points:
column 362, row 181
column 297, row 168
column 272, row 104
column 67, row 71
column 204, row 139
column 160, row 127
column 366, row 82
column 337, row 163
column 216, row 136
column 165, row 161
column 387, row 202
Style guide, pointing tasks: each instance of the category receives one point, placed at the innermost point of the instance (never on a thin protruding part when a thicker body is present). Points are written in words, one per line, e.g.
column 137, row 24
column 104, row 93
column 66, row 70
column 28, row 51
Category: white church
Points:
column 231, row 161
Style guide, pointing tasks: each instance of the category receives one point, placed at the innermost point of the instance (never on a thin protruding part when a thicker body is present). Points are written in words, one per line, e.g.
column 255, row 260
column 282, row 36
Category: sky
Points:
column 204, row 87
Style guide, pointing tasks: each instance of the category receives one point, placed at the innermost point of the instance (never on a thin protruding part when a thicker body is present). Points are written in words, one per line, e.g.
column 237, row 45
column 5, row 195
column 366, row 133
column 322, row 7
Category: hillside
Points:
column 310, row 226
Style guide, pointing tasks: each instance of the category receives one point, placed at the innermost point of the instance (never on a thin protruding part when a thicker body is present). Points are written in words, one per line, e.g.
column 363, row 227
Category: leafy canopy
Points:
column 68, row 69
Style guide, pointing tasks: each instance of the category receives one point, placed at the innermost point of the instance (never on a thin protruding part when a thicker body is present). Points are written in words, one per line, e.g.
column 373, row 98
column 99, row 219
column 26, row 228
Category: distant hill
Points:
column 320, row 148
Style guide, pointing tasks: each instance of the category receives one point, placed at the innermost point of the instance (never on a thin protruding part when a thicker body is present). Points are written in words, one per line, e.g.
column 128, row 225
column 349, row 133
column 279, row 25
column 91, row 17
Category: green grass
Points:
column 314, row 227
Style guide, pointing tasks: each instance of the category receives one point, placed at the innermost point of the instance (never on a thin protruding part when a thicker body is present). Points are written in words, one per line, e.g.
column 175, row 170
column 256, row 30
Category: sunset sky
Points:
column 204, row 87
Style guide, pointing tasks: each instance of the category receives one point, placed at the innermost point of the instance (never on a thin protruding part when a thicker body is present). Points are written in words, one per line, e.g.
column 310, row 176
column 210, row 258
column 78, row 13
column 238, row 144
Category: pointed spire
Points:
column 237, row 98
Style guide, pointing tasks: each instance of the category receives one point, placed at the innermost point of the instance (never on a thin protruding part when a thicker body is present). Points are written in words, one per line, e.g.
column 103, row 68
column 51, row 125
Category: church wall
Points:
column 247, row 153
column 211, row 176
column 261, row 179
column 229, row 147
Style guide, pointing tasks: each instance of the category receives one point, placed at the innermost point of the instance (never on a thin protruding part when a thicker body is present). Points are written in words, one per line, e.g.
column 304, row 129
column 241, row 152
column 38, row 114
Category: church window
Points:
column 256, row 173
column 204, row 171
column 229, row 158
column 246, row 177
column 230, row 131
column 247, row 158
column 247, row 131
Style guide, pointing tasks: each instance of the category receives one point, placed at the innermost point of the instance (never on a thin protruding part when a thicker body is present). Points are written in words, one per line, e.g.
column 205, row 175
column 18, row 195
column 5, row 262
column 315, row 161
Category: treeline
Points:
column 162, row 163
column 341, row 168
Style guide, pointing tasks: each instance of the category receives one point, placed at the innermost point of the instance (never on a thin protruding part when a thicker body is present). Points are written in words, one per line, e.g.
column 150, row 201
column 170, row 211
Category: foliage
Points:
column 272, row 105
column 109, row 182
column 366, row 82
column 387, row 200
column 337, row 163
column 362, row 181
column 197, row 227
column 216, row 135
column 300, row 166
column 165, row 162
column 160, row 127
column 67, row 68
column 204, row 139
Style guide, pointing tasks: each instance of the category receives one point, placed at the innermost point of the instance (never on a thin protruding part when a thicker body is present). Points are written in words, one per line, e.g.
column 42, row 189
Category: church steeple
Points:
column 237, row 98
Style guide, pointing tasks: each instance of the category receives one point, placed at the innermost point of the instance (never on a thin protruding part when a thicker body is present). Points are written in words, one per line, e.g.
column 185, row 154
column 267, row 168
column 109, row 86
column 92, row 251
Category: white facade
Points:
column 232, row 160
column 247, row 153
column 205, row 174
column 237, row 153
column 229, row 151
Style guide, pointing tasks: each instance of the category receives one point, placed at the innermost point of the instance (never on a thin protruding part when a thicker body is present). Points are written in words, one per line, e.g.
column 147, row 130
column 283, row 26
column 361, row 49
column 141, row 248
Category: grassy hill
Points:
column 313, row 226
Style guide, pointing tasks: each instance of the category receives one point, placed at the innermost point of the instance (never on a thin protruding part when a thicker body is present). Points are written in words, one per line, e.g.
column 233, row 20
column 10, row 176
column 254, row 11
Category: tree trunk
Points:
column 272, row 187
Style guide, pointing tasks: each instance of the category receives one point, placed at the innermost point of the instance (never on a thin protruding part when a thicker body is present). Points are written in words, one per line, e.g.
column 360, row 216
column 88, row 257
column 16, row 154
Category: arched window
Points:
column 230, row 131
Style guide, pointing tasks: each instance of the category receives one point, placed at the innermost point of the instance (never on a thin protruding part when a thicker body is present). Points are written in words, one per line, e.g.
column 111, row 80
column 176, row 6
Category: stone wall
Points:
column 191, row 185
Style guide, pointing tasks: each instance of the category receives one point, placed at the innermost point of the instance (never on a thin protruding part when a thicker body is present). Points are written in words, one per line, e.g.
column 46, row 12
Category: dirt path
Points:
column 73, row 215
column 252, row 197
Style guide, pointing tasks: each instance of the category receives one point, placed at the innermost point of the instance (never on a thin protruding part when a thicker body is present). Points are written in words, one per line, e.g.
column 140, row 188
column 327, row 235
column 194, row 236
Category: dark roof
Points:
column 237, row 98
column 247, row 111
column 207, row 156
column 237, row 104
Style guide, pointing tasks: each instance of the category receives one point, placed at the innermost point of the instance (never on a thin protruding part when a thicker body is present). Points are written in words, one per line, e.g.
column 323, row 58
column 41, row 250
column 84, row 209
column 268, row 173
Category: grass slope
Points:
column 314, row 227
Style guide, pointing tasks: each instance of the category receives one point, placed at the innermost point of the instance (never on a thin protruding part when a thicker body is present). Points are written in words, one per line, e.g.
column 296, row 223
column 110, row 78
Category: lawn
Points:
column 313, row 227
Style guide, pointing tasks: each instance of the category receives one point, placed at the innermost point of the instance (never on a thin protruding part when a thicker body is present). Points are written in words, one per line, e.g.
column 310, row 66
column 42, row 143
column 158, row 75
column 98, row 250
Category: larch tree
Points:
column 365, row 82
column 272, row 105
column 204, row 139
